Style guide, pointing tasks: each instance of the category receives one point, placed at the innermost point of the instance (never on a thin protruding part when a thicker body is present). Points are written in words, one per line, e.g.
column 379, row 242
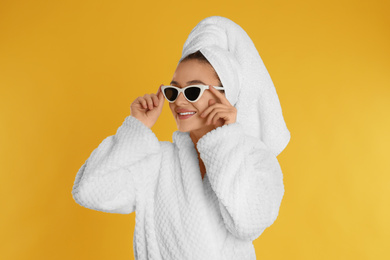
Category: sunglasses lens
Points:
column 192, row 93
column 170, row 93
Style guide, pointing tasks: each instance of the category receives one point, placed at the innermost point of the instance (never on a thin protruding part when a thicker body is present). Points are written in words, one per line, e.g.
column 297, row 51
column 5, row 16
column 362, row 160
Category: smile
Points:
column 185, row 115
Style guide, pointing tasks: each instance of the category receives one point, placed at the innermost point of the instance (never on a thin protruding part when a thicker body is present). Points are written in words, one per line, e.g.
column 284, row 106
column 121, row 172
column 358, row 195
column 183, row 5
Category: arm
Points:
column 245, row 176
column 114, row 175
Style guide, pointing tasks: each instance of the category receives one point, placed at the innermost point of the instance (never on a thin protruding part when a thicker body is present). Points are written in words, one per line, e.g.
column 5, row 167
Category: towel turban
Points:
column 248, row 85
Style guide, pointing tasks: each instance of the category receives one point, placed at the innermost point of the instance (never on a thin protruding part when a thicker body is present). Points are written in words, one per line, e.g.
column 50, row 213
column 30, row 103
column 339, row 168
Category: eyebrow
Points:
column 195, row 81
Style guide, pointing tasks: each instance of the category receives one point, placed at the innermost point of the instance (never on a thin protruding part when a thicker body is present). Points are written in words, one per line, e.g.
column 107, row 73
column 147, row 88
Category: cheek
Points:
column 171, row 107
column 201, row 105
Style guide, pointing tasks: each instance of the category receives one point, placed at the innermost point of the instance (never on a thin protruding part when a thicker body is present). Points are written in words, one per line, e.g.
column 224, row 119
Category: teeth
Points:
column 187, row 113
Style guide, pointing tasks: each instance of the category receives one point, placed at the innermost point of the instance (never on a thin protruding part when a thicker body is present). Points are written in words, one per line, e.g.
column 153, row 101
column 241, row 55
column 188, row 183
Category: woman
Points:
column 208, row 194
column 198, row 117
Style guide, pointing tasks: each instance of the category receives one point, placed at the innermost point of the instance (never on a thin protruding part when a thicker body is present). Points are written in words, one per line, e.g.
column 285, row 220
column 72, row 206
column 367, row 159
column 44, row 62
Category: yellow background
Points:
column 69, row 71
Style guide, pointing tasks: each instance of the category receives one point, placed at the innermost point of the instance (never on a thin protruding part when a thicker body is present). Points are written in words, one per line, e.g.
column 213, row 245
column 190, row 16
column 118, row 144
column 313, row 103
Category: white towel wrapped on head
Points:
column 248, row 86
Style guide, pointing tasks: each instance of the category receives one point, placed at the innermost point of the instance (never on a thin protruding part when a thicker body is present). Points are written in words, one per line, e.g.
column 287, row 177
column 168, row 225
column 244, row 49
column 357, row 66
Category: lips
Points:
column 185, row 116
column 187, row 113
column 181, row 110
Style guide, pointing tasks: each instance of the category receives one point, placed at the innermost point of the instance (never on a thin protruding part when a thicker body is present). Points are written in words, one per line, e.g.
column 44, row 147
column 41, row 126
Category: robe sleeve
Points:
column 115, row 176
column 246, row 178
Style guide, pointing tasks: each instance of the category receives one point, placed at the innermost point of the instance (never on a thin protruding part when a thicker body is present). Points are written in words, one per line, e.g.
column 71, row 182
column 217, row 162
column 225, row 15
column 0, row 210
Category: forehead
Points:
column 194, row 72
column 191, row 82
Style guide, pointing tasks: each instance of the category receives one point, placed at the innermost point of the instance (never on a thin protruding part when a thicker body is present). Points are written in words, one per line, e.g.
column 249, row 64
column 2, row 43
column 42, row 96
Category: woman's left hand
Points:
column 219, row 113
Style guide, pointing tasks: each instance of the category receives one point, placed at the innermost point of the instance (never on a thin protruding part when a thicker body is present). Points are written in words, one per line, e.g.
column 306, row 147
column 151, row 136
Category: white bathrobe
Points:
column 179, row 215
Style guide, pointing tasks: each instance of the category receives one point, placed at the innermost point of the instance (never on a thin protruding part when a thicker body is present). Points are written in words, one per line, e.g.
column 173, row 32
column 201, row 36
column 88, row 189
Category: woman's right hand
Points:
column 148, row 108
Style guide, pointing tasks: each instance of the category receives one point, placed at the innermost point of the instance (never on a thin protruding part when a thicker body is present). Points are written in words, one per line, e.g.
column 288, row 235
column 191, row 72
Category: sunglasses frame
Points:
column 181, row 90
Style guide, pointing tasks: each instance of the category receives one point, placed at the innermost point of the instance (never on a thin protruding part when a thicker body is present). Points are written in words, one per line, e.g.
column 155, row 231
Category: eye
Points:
column 192, row 93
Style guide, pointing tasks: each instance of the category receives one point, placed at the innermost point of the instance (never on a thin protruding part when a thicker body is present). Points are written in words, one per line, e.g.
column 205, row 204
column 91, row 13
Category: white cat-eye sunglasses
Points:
column 191, row 93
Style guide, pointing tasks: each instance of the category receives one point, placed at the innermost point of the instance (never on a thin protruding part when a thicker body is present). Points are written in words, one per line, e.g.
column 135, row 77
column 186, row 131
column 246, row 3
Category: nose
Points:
column 181, row 99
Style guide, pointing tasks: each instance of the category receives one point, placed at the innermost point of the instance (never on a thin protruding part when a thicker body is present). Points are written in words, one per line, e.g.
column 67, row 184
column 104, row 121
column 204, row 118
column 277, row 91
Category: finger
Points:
column 221, row 115
column 161, row 100
column 214, row 117
column 149, row 101
column 210, row 108
column 160, row 94
column 219, row 95
column 159, row 89
column 212, row 114
column 155, row 100
column 142, row 101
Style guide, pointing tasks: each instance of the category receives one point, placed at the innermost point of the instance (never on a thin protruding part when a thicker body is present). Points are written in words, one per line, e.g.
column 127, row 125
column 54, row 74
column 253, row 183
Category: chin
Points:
column 192, row 128
column 184, row 129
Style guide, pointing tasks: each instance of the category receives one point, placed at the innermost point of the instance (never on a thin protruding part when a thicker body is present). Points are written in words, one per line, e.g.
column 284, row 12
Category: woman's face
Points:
column 193, row 72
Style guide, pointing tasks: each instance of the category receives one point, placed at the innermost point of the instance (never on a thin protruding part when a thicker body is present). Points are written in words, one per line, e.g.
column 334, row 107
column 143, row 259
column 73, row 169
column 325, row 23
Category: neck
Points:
column 195, row 136
column 199, row 133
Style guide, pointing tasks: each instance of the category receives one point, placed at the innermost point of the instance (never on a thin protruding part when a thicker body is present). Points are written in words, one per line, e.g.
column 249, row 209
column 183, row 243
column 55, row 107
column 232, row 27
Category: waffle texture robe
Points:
column 179, row 215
